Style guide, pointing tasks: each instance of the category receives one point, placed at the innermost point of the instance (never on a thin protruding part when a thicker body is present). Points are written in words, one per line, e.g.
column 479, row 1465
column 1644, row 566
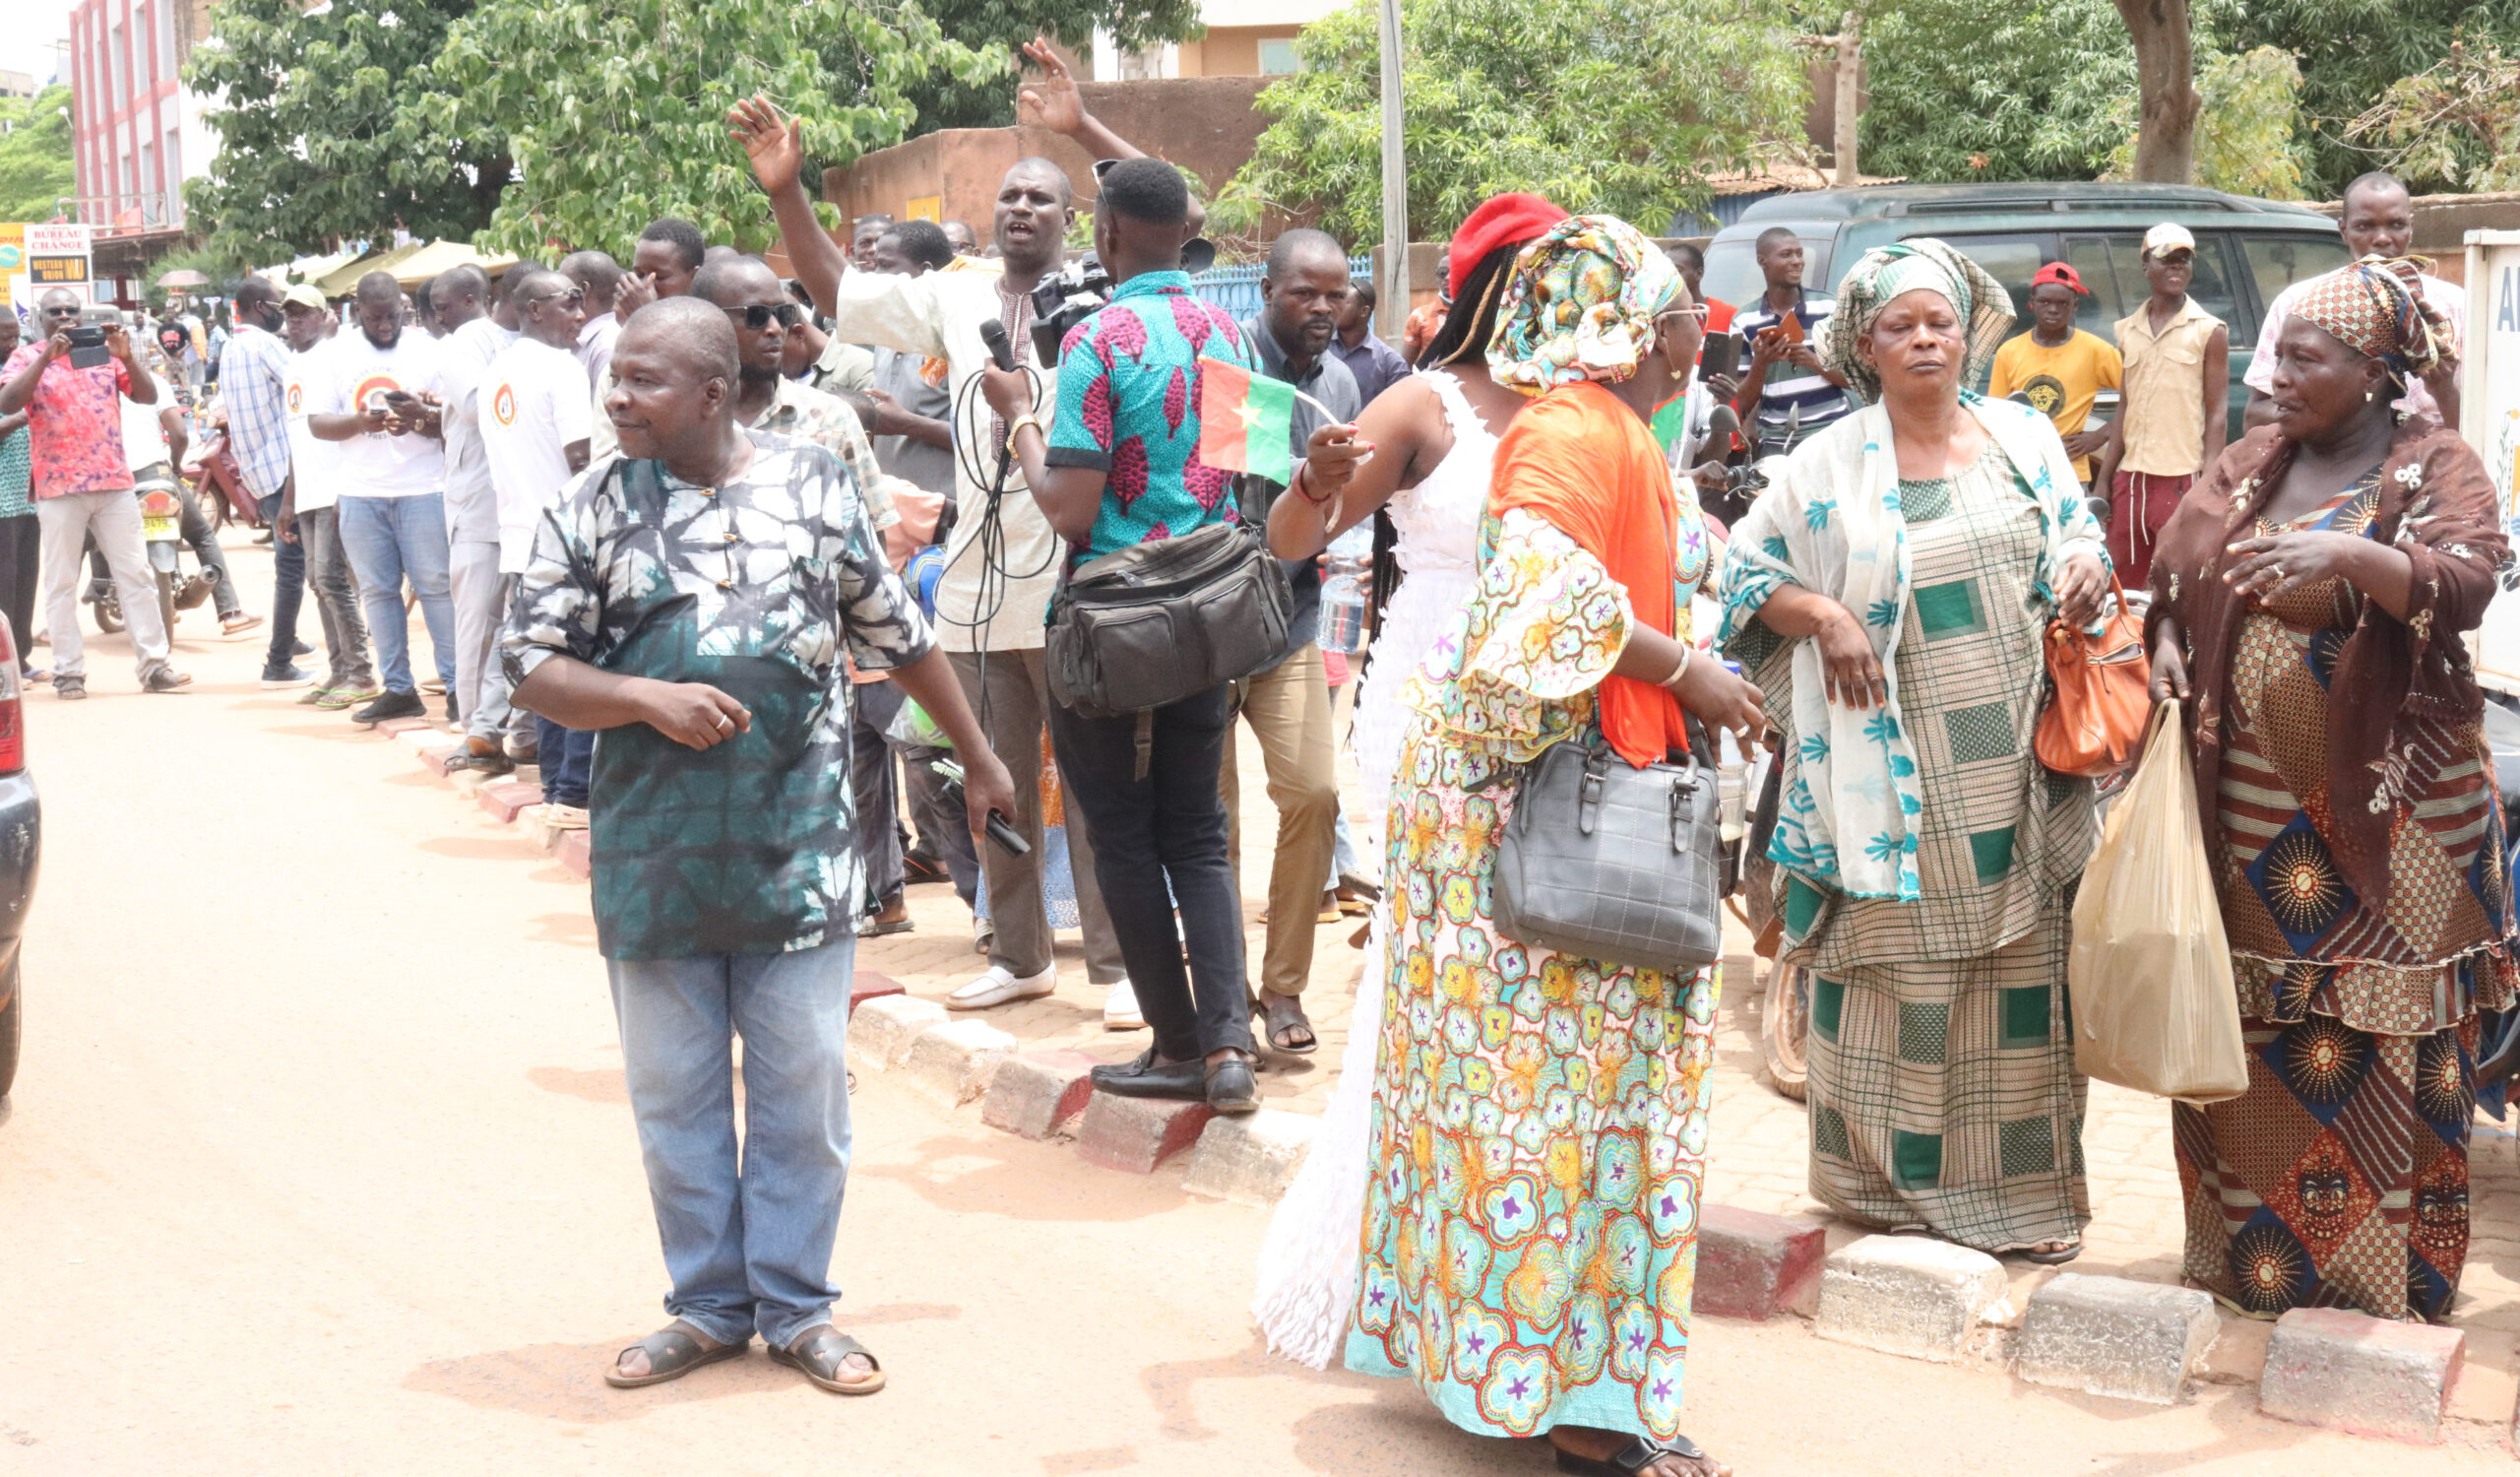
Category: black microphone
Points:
column 993, row 334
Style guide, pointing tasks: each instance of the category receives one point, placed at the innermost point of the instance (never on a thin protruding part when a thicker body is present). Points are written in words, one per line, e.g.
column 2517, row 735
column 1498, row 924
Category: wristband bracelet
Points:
column 1299, row 484
column 1688, row 654
column 1017, row 424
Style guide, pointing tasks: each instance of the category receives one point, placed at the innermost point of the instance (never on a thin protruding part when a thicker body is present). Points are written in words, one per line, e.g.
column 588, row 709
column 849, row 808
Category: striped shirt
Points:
column 250, row 378
column 1790, row 389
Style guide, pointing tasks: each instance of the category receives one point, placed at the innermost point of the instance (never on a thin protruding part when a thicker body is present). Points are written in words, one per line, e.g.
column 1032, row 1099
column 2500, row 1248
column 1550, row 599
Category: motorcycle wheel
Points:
column 166, row 601
column 109, row 612
column 1785, row 1027
column 9, row 1028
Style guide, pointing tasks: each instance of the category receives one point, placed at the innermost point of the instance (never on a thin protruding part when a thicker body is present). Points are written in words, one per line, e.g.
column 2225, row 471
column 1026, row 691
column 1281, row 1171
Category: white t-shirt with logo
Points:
column 375, row 464
column 317, row 465
column 535, row 400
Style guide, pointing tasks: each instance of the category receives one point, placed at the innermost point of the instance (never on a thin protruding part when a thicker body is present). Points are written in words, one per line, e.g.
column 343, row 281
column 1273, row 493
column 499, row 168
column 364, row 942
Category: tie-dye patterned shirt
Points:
column 1128, row 406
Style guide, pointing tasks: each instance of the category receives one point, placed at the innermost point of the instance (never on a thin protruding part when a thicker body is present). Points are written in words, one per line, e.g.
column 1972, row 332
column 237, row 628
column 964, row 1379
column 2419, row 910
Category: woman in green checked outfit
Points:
column 1889, row 593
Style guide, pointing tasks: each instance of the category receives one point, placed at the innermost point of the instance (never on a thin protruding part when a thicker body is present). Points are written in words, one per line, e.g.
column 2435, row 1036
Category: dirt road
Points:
column 320, row 1162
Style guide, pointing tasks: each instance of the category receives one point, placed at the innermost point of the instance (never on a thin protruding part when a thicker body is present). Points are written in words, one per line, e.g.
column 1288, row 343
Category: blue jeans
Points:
column 289, row 590
column 387, row 538
column 566, row 757
column 747, row 1233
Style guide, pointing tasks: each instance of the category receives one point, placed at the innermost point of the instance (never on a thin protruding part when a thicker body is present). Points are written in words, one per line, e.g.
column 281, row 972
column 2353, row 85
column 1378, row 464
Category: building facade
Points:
column 137, row 130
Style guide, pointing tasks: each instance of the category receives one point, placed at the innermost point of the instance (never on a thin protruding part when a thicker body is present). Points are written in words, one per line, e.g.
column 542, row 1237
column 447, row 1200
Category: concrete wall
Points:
column 1206, row 125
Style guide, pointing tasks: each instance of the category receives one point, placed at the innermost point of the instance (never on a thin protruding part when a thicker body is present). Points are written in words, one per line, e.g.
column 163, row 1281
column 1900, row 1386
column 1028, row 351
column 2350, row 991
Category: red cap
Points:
column 1499, row 221
column 2058, row 271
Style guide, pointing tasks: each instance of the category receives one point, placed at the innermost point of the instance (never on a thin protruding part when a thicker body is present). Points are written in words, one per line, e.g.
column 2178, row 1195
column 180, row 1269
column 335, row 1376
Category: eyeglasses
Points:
column 573, row 298
column 757, row 315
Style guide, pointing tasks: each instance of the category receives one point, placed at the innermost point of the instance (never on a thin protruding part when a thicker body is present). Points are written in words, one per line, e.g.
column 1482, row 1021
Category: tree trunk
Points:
column 2165, row 88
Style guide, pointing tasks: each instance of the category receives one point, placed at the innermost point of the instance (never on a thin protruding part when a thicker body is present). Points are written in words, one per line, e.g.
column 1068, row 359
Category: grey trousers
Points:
column 336, row 592
column 114, row 518
column 480, row 595
column 1013, row 709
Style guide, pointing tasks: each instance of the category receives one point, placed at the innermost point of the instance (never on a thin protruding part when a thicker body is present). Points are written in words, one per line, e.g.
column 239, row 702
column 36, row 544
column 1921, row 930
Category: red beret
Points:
column 1499, row 221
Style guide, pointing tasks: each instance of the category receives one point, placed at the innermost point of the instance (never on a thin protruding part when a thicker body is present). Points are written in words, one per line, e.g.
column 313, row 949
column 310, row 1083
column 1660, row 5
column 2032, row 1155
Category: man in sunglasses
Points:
column 537, row 416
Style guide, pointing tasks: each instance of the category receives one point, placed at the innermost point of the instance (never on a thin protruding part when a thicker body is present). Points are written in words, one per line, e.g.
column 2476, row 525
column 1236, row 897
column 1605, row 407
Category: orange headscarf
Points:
column 1580, row 457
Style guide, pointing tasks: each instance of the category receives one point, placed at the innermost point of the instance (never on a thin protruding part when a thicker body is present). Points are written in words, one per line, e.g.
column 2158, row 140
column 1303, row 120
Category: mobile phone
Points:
column 1722, row 353
column 88, row 348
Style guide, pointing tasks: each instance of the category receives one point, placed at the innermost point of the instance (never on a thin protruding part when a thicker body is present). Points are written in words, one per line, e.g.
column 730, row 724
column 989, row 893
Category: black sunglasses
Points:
column 573, row 297
column 757, row 315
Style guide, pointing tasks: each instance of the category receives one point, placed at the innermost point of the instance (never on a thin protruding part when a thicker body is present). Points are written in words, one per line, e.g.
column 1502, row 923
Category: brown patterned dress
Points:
column 2340, row 1176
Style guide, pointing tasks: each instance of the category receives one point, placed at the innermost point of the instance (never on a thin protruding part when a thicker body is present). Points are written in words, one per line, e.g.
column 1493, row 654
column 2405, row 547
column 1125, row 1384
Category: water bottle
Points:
column 1344, row 577
column 1731, row 782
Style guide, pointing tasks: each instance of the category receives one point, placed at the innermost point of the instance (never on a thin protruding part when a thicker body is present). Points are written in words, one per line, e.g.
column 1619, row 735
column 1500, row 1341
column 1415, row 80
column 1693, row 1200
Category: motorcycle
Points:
column 161, row 530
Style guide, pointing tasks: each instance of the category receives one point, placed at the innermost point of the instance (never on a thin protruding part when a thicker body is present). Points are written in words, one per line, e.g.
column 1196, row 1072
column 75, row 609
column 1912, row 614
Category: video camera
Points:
column 1081, row 288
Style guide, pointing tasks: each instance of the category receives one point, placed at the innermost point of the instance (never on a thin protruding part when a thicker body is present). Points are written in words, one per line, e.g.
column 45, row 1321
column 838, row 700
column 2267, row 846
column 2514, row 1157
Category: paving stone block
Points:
column 2327, row 1367
column 576, row 853
column 866, row 985
column 880, row 1031
column 1037, row 1093
column 954, row 1063
column 1754, row 1266
column 2111, row 1336
column 508, row 799
column 1908, row 1294
column 393, row 727
column 1138, row 1133
column 1252, row 1159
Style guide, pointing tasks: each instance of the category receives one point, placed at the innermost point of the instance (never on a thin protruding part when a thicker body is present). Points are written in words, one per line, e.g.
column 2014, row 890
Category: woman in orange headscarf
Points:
column 1540, row 1121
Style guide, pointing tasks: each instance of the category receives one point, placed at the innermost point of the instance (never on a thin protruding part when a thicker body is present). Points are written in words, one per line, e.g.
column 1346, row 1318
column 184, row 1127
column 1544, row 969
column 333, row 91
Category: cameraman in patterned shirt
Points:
column 691, row 598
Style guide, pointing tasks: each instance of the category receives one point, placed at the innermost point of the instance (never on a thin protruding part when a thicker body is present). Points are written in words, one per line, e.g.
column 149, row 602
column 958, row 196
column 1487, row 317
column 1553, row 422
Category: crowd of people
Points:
column 792, row 550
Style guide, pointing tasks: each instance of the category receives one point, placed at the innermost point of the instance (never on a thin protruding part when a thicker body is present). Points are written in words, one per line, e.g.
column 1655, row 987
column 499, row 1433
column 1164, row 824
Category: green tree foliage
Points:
column 35, row 154
column 316, row 143
column 1004, row 26
column 616, row 109
column 2247, row 133
column 2353, row 51
column 1617, row 105
column 2455, row 125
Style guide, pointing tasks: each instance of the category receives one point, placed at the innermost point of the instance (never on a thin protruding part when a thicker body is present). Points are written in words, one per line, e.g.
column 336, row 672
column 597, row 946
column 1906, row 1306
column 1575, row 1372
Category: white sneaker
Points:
column 998, row 987
column 1120, row 1008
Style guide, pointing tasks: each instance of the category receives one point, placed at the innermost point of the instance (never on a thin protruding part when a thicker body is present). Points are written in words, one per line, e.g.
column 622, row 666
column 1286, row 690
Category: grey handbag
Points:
column 1605, row 860
column 1157, row 621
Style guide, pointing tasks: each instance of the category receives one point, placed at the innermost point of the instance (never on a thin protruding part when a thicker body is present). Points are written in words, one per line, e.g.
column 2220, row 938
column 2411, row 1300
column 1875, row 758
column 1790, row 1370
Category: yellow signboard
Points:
column 925, row 207
column 38, row 256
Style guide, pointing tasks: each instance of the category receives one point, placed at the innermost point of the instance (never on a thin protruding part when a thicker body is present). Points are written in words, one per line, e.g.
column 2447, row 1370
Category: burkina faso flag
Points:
column 1245, row 420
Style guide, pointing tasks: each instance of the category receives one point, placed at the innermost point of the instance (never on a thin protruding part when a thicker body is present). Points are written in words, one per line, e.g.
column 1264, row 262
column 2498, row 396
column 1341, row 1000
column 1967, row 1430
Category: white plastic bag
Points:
column 2154, row 1006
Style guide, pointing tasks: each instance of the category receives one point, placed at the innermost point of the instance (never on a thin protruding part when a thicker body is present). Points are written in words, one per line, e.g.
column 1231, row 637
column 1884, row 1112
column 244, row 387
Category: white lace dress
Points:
column 1308, row 1281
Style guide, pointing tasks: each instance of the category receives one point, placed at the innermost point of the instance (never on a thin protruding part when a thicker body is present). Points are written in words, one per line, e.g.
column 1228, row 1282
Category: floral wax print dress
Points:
column 1540, row 1121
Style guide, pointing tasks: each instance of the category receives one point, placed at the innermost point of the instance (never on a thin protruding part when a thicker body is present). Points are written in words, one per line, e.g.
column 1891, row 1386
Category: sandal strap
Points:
column 669, row 1349
column 824, row 1348
column 1644, row 1450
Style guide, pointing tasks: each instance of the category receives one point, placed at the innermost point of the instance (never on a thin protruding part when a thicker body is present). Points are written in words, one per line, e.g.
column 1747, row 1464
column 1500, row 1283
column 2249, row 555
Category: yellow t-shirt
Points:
column 2062, row 382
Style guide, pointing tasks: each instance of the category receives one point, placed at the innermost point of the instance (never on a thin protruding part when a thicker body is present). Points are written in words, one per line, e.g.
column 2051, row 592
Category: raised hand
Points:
column 776, row 145
column 1053, row 100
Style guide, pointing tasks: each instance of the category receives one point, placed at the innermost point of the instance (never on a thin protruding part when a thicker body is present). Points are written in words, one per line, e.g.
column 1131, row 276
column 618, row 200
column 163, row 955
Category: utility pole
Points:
column 1394, row 301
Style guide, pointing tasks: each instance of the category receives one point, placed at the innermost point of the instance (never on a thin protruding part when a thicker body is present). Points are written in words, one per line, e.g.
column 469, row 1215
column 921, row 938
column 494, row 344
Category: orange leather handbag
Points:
column 2093, row 722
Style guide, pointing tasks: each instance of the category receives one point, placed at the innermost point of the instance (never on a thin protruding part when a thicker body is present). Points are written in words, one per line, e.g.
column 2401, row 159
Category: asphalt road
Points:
column 320, row 1162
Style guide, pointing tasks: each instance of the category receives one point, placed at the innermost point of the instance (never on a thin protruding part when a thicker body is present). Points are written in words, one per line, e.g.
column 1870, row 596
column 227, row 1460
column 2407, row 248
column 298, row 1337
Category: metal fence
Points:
column 1236, row 289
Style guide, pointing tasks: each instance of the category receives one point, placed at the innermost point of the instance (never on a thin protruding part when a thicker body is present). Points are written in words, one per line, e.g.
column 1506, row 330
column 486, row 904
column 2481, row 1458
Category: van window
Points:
column 1733, row 269
column 2112, row 268
column 2278, row 262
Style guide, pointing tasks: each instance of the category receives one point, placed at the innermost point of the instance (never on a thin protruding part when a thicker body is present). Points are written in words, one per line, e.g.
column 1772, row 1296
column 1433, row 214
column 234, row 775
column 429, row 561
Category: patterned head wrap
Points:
column 2377, row 309
column 1886, row 272
column 1580, row 305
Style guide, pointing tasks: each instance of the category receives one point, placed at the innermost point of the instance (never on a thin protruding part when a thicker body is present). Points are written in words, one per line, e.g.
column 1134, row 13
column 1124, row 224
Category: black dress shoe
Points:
column 1230, row 1087
column 1141, row 1078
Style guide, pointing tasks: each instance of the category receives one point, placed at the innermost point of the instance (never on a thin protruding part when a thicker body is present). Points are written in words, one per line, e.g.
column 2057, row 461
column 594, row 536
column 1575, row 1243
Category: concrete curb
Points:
column 954, row 1063
column 1250, row 1160
column 1908, row 1294
column 2111, row 1337
column 2326, row 1367
column 1036, row 1094
column 1753, row 1265
column 880, row 1032
column 1135, row 1134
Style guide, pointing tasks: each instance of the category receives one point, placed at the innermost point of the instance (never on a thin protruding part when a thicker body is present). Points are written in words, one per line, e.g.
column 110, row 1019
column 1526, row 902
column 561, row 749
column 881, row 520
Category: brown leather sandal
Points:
column 673, row 1351
column 816, row 1354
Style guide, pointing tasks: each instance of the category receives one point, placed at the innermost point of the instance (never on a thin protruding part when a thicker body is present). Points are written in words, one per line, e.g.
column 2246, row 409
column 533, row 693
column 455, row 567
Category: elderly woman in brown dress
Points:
column 2308, row 602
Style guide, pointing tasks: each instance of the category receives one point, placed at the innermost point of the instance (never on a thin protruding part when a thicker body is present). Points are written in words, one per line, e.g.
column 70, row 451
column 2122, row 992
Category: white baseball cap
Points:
column 304, row 296
column 2167, row 237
